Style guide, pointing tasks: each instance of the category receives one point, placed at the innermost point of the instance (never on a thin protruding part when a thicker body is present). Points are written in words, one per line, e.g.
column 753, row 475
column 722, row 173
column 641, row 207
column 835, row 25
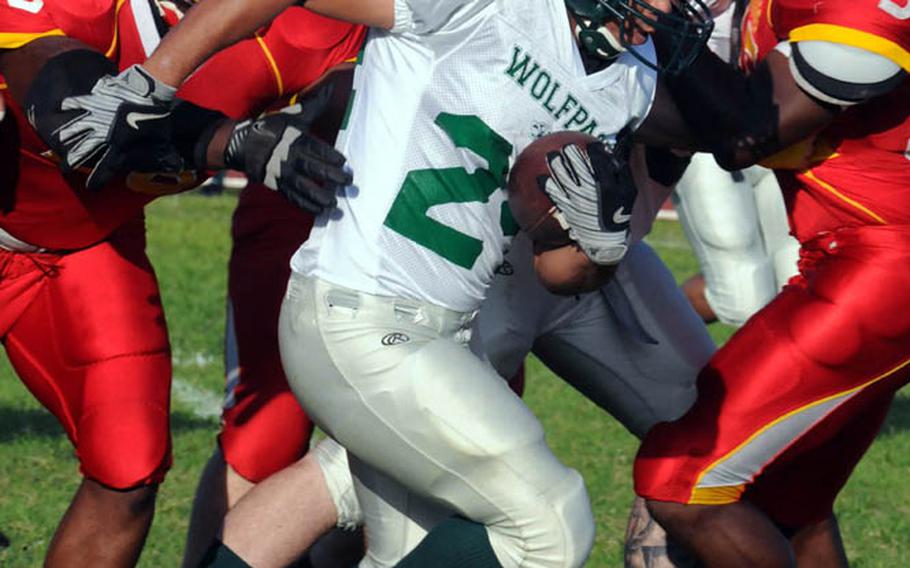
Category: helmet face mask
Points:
column 689, row 24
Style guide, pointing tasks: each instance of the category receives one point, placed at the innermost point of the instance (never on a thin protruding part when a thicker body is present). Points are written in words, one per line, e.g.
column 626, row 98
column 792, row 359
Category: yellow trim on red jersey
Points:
column 804, row 154
column 114, row 40
column 14, row 40
column 272, row 64
column 3, row 86
column 763, row 429
column 852, row 202
column 717, row 495
column 855, row 38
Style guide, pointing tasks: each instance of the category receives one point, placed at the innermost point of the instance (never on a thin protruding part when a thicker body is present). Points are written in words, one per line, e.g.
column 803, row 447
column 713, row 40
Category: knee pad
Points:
column 557, row 533
column 264, row 432
column 786, row 259
column 126, row 445
column 573, row 511
column 712, row 223
column 333, row 461
column 721, row 221
column 737, row 288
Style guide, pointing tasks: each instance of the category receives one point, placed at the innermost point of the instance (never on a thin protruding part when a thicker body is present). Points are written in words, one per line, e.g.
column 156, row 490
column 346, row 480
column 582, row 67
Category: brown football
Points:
column 530, row 205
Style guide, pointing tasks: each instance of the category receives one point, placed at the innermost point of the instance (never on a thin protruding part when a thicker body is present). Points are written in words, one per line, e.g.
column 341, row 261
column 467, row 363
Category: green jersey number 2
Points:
column 423, row 189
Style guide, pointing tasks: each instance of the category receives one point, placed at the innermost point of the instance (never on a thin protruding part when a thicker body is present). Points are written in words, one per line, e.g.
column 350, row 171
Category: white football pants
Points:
column 740, row 234
column 428, row 424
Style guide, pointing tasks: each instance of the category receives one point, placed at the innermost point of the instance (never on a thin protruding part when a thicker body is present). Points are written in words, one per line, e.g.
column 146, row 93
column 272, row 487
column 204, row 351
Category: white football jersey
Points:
column 442, row 105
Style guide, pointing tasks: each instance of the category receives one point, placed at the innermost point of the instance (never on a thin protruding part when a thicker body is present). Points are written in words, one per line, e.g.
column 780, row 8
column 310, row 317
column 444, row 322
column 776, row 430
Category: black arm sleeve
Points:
column 732, row 114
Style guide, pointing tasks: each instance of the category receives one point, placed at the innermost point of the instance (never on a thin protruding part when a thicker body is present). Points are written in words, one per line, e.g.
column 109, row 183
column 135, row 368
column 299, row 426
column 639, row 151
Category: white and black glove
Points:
column 278, row 151
column 123, row 124
column 593, row 188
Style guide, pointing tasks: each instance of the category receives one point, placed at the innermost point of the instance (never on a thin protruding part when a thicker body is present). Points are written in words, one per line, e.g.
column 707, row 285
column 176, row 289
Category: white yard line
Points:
column 668, row 215
column 202, row 403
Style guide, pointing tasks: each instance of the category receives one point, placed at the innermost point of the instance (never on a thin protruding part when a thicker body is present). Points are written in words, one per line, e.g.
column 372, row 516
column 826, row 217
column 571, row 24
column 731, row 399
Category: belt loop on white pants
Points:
column 438, row 318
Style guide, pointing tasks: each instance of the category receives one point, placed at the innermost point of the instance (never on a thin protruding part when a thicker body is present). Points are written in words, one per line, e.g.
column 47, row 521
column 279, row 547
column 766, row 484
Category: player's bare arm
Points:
column 567, row 271
column 215, row 24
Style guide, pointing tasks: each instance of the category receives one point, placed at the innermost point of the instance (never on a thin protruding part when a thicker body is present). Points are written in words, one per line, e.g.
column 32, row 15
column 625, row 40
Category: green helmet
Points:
column 689, row 24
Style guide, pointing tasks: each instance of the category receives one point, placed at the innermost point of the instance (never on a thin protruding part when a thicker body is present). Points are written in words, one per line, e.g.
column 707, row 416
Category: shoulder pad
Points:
column 842, row 74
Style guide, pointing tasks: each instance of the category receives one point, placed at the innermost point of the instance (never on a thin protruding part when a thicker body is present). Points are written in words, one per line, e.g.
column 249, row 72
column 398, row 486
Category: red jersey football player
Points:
column 788, row 407
column 264, row 430
column 80, row 314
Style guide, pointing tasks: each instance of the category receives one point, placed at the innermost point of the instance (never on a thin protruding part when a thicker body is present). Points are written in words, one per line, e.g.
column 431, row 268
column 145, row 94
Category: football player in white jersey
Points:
column 376, row 320
column 377, row 311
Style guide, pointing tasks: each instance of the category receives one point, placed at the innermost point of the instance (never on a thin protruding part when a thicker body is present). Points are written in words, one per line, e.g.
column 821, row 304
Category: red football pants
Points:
column 789, row 405
column 85, row 331
column 264, row 429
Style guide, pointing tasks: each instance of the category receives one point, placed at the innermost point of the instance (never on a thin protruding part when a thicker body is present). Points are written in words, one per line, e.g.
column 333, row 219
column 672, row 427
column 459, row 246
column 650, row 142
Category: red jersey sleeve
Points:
column 298, row 48
column 90, row 21
column 305, row 45
column 23, row 21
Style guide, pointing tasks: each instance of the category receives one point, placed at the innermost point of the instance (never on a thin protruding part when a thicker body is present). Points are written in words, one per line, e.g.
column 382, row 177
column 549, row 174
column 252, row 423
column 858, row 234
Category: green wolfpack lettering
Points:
column 549, row 92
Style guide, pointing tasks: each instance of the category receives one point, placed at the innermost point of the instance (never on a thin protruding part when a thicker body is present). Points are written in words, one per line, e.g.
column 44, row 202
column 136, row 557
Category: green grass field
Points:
column 189, row 243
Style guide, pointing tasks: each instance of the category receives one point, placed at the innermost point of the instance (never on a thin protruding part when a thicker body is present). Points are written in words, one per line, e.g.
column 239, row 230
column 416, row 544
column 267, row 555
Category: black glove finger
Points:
column 307, row 205
column 322, row 171
column 65, row 155
column 307, row 195
column 570, row 166
column 322, row 195
column 325, row 152
column 559, row 171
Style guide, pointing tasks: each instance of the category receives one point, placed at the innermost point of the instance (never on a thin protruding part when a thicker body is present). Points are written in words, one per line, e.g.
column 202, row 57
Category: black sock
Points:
column 454, row 543
column 220, row 556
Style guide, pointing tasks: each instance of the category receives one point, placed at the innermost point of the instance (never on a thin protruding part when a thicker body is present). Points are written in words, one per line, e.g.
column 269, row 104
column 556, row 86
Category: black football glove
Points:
column 278, row 151
column 592, row 187
column 123, row 125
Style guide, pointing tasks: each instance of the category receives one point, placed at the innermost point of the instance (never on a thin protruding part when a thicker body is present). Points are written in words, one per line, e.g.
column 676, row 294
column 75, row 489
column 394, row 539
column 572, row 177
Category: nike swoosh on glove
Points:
column 593, row 188
column 278, row 151
column 123, row 125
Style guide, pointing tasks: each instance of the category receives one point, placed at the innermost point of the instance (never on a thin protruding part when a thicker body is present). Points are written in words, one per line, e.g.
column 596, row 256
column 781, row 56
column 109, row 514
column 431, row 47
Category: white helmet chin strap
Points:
column 608, row 49
column 611, row 39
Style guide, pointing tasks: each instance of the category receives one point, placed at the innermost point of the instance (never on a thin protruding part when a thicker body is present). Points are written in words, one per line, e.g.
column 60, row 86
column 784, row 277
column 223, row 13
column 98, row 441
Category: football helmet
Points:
column 688, row 23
